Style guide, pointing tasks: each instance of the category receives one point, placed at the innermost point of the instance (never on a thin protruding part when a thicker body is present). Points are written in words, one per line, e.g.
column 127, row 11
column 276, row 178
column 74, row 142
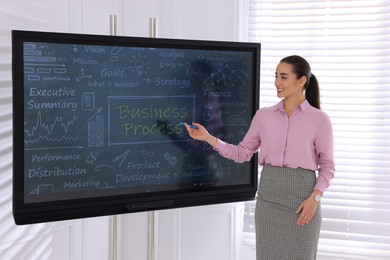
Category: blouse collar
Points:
column 303, row 106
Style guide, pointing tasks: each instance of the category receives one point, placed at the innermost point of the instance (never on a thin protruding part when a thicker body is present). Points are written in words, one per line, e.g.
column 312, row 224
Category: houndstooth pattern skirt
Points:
column 278, row 237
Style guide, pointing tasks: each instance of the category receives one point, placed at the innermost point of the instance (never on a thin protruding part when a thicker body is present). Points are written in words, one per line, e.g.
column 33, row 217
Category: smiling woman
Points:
column 333, row 35
column 295, row 140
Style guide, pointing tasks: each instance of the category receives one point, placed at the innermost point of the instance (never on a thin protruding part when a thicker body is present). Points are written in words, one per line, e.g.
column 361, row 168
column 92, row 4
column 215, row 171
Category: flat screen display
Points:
column 97, row 123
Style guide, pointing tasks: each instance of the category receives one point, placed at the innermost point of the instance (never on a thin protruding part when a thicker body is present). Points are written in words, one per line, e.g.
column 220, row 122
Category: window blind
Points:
column 347, row 44
column 16, row 242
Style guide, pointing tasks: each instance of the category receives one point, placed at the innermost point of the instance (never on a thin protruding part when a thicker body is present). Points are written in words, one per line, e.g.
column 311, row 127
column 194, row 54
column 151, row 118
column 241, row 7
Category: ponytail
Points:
column 312, row 92
column 302, row 68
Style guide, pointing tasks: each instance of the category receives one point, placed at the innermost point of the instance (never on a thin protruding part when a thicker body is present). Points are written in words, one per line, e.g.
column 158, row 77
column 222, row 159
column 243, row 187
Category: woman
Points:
column 295, row 139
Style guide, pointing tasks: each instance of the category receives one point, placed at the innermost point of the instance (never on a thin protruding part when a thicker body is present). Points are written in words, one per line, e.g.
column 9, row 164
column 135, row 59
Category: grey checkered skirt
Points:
column 278, row 237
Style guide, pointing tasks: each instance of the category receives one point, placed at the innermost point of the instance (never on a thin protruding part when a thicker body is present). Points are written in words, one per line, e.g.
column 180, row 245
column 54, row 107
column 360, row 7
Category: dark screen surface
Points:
column 96, row 123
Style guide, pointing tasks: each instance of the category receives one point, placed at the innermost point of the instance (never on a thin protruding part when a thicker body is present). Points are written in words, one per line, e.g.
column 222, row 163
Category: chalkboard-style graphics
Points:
column 175, row 66
column 88, row 101
column 103, row 167
column 114, row 53
column 59, row 70
column 83, row 75
column 33, row 77
column 147, row 153
column 54, row 131
column 140, row 65
column 147, row 119
column 96, row 130
column 43, row 189
column 29, row 71
column 190, row 151
column 190, row 73
column 111, row 164
column 75, row 48
column 43, row 64
column 171, row 159
column 101, row 164
column 226, row 75
column 121, row 158
column 92, row 157
column 44, row 70
column 233, row 119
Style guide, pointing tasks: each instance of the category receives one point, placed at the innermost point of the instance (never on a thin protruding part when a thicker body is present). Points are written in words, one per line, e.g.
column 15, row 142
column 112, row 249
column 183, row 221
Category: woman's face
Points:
column 286, row 82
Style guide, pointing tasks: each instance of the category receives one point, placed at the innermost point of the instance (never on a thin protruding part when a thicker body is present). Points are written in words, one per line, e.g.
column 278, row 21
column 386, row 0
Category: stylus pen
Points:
column 191, row 126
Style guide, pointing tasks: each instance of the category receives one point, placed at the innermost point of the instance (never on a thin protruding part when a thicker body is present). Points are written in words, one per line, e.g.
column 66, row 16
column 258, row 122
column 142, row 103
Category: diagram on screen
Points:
column 140, row 65
column 226, row 76
column 51, row 131
column 96, row 130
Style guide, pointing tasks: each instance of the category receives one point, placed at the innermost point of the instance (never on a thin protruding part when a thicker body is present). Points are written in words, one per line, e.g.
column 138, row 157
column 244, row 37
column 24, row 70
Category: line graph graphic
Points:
column 55, row 131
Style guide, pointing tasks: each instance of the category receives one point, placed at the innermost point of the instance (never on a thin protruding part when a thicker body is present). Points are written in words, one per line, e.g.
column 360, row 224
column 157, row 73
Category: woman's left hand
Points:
column 307, row 210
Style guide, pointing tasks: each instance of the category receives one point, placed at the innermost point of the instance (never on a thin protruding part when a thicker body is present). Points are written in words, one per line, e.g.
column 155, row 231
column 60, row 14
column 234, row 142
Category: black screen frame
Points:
column 29, row 213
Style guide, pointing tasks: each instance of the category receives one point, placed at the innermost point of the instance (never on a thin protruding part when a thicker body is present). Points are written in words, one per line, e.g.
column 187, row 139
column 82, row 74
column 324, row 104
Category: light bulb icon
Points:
column 140, row 65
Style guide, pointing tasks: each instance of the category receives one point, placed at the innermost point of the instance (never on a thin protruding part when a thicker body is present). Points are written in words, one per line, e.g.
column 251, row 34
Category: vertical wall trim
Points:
column 242, row 16
column 239, row 11
column 236, row 229
column 178, row 28
column 119, row 10
column 76, row 16
column 176, row 234
column 77, row 239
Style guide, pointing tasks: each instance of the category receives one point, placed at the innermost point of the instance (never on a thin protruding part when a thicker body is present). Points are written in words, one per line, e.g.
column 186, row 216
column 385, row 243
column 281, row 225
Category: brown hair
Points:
column 302, row 68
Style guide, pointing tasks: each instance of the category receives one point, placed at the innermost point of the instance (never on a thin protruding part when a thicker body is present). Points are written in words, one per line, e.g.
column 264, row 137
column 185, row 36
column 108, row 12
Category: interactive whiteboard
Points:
column 97, row 123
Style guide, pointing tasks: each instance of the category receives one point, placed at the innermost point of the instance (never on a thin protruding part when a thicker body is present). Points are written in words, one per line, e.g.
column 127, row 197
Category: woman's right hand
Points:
column 200, row 133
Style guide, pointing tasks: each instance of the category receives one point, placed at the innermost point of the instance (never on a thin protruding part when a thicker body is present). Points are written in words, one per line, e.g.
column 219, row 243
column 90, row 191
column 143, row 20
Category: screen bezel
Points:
column 28, row 213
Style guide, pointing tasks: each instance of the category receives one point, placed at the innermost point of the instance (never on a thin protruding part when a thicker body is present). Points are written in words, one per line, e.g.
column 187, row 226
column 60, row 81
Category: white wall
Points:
column 198, row 233
column 185, row 19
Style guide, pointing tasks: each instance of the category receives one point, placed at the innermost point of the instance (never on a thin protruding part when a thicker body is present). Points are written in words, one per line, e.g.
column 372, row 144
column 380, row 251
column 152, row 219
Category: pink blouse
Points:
column 303, row 140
